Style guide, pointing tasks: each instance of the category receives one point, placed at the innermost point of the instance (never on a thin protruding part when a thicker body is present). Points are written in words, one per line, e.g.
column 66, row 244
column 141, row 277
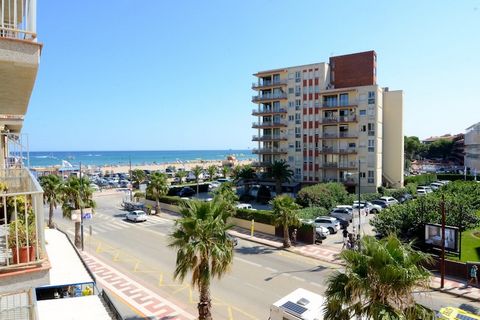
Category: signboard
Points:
column 87, row 215
column 433, row 237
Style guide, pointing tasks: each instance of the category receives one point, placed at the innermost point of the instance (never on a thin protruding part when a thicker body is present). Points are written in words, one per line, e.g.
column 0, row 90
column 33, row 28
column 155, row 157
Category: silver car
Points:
column 136, row 216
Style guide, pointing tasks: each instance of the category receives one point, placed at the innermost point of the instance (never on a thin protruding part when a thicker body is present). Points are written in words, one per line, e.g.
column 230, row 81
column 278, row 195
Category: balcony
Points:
column 261, row 164
column 332, row 150
column 347, row 165
column 339, row 104
column 267, row 111
column 340, row 119
column 19, row 57
column 269, row 124
column 328, row 165
column 341, row 135
column 270, row 137
column 21, row 221
column 269, row 97
column 268, row 84
column 269, row 151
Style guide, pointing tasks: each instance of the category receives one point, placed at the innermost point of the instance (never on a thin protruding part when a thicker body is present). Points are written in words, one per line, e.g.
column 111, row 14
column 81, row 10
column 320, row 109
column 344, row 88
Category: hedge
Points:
column 262, row 216
column 422, row 179
column 454, row 177
column 173, row 200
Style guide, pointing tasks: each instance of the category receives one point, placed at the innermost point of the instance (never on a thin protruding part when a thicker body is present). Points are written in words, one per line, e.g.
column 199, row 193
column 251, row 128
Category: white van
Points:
column 299, row 304
column 244, row 206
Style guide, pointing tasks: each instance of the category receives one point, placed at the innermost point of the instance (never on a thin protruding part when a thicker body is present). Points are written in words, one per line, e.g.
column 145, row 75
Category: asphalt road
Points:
column 259, row 276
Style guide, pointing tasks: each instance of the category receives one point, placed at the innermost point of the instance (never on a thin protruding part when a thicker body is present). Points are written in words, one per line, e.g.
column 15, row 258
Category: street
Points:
column 259, row 275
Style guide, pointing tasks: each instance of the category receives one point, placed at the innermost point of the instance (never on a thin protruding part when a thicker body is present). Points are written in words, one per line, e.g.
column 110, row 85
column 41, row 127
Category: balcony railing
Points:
column 326, row 135
column 18, row 19
column 269, row 151
column 261, row 164
column 339, row 104
column 270, row 137
column 267, row 124
column 329, row 165
column 269, row 96
column 18, row 305
column 256, row 85
column 17, row 155
column 21, row 219
column 340, row 119
column 347, row 165
column 262, row 111
column 337, row 150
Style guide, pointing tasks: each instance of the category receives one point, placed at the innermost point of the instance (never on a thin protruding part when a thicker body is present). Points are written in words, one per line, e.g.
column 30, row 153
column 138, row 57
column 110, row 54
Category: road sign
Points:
column 87, row 216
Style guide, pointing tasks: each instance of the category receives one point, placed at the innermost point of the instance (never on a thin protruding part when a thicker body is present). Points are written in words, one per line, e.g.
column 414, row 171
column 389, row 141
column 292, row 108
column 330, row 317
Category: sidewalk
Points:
column 331, row 254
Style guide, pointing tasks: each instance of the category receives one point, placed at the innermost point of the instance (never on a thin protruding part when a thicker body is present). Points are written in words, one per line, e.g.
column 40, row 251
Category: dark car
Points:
column 186, row 192
column 343, row 223
column 381, row 203
column 405, row 197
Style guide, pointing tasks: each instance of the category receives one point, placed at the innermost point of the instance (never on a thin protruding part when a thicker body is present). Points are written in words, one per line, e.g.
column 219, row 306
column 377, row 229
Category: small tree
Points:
column 280, row 172
column 212, row 171
column 378, row 282
column 197, row 171
column 181, row 174
column 52, row 187
column 225, row 171
column 157, row 188
column 138, row 176
column 285, row 210
column 227, row 194
column 246, row 174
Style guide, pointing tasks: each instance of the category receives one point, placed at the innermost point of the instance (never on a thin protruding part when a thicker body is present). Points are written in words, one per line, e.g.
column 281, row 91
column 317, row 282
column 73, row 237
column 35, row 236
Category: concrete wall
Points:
column 247, row 224
column 393, row 157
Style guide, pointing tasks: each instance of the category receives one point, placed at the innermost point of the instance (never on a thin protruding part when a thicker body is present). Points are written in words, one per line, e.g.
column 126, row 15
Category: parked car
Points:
column 436, row 185
column 405, row 197
column 245, row 206
column 380, row 203
column 371, row 207
column 331, row 223
column 424, row 189
column 186, row 192
column 389, row 200
column 342, row 213
column 321, row 233
column 136, row 216
column 94, row 187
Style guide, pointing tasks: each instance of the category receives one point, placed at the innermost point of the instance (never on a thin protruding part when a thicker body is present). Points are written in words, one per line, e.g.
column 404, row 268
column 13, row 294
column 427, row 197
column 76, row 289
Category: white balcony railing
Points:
column 18, row 19
column 269, row 96
column 21, row 219
column 17, row 155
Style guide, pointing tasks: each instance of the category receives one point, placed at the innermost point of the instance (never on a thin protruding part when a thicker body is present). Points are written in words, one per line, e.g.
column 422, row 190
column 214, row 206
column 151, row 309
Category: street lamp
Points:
column 359, row 196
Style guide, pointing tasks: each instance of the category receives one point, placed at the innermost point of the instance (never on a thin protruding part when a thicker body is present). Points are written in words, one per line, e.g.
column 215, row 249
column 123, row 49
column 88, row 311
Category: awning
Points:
column 81, row 308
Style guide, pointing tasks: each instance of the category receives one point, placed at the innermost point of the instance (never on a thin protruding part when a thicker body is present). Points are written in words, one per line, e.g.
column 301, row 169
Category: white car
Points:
column 245, row 206
column 425, row 188
column 136, row 216
column 372, row 208
column 389, row 200
column 321, row 233
column 421, row 192
column 342, row 213
column 332, row 224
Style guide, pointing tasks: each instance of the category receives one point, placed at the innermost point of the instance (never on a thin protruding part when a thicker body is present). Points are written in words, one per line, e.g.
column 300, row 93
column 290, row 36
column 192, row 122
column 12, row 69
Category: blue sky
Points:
column 173, row 75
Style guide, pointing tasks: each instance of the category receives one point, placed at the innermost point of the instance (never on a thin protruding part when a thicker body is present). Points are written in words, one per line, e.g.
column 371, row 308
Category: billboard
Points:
column 433, row 237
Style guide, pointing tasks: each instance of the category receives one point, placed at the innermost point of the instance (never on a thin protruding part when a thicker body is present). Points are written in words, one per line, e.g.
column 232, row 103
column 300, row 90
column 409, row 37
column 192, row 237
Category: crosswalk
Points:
column 102, row 223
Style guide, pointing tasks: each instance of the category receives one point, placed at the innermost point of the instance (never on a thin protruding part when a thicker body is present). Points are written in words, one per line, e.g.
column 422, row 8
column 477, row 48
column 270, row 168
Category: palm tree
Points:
column 212, row 171
column 227, row 193
column 181, row 174
column 157, row 188
column 378, row 282
column 138, row 176
column 52, row 187
column 280, row 172
column 225, row 171
column 76, row 194
column 197, row 171
column 204, row 249
column 247, row 175
column 286, row 215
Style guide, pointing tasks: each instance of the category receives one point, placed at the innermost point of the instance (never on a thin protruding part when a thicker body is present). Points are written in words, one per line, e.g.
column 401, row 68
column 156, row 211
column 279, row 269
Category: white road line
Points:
column 298, row 278
column 113, row 225
column 249, row 262
column 98, row 228
column 271, row 269
column 316, row 284
column 120, row 224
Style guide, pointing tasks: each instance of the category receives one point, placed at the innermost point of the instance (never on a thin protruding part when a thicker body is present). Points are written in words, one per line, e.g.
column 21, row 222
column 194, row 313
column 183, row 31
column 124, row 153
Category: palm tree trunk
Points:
column 50, row 216
column 157, row 209
column 278, row 187
column 78, row 239
column 286, row 237
column 197, row 187
column 205, row 304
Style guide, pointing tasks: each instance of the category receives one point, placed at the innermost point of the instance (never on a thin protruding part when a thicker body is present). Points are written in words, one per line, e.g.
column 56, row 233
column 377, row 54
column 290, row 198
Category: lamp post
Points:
column 81, row 206
column 359, row 185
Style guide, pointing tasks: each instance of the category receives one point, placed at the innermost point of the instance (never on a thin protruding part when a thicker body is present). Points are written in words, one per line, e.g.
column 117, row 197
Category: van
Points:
column 245, row 206
column 299, row 304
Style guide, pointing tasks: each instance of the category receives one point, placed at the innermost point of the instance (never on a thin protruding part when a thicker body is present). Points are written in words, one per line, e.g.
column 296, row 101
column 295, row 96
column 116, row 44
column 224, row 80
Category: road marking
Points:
column 248, row 262
column 316, row 284
column 271, row 269
column 298, row 278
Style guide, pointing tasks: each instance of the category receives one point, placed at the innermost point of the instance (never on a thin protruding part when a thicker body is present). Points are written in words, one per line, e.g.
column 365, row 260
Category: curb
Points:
column 458, row 295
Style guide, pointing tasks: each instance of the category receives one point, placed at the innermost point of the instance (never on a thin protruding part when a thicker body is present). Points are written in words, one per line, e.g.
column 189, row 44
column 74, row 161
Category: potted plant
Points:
column 17, row 241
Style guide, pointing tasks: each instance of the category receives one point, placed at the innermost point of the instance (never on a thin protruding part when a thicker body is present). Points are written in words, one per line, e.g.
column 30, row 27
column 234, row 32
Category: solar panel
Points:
column 294, row 308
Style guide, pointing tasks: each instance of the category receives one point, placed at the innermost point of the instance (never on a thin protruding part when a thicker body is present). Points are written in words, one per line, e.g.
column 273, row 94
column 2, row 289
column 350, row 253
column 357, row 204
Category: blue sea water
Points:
column 98, row 158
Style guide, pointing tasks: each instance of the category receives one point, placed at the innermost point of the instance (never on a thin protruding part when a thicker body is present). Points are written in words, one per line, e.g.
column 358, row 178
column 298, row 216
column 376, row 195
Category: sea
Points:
column 112, row 158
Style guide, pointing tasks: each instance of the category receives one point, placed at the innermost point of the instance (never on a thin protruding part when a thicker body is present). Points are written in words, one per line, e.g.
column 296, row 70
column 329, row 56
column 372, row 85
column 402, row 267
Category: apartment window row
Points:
column 371, row 97
column 308, row 75
column 371, row 145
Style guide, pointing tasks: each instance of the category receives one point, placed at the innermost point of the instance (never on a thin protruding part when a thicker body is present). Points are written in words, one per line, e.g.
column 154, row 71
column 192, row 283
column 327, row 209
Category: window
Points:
column 298, row 171
column 363, row 112
column 290, row 90
column 344, row 99
column 371, row 176
column 371, row 129
column 298, row 76
column 317, row 89
column 290, row 76
column 298, row 103
column 291, row 103
column 291, row 118
column 297, row 91
column 298, row 146
column 298, row 132
column 371, row 145
column 290, row 159
column 371, row 97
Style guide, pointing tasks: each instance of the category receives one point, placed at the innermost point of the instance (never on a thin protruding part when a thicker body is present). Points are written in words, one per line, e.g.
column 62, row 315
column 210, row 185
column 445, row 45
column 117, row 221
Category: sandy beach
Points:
column 185, row 165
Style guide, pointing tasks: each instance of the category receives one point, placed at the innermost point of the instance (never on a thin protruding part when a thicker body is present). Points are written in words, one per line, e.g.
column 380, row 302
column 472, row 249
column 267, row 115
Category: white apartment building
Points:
column 331, row 122
column 472, row 148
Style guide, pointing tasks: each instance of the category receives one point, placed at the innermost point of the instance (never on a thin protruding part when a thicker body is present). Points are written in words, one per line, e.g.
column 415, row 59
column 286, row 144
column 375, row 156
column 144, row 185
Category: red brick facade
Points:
column 352, row 70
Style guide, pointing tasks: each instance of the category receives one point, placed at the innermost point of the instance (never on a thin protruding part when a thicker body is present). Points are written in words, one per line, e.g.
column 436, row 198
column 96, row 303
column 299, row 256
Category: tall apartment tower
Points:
column 331, row 122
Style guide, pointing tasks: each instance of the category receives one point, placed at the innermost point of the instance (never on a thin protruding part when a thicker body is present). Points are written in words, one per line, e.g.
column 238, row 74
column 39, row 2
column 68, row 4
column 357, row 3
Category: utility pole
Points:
column 359, row 214
column 442, row 261
column 131, row 180
column 81, row 206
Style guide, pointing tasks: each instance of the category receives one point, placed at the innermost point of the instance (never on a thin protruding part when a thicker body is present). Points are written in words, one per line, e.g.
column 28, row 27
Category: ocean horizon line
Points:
column 179, row 150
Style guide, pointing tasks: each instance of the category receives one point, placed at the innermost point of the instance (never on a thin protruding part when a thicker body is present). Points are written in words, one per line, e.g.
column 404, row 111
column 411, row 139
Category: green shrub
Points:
column 262, row 216
column 173, row 200
column 325, row 195
column 369, row 196
column 422, row 179
column 312, row 212
column 455, row 177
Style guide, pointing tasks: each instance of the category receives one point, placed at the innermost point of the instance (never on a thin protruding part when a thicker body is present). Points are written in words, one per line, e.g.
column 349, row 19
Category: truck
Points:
column 300, row 304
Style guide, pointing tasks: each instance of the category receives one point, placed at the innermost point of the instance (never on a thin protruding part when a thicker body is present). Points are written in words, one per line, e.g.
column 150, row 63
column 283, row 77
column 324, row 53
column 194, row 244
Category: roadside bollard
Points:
column 252, row 229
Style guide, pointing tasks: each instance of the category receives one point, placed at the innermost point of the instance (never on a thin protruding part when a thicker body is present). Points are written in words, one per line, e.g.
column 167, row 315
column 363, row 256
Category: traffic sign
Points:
column 87, row 216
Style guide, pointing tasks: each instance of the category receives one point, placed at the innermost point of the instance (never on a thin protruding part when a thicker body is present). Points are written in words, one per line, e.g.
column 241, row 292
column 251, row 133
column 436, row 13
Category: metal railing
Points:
column 338, row 104
column 269, row 150
column 268, row 110
column 21, row 219
column 269, row 96
column 19, row 305
column 16, row 155
column 326, row 135
column 269, row 137
column 339, row 119
column 18, row 19
column 268, row 83
column 347, row 165
column 278, row 123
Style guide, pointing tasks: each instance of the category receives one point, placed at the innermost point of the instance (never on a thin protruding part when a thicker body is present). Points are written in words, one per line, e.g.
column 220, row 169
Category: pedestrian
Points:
column 473, row 275
column 354, row 230
column 345, row 237
column 294, row 236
